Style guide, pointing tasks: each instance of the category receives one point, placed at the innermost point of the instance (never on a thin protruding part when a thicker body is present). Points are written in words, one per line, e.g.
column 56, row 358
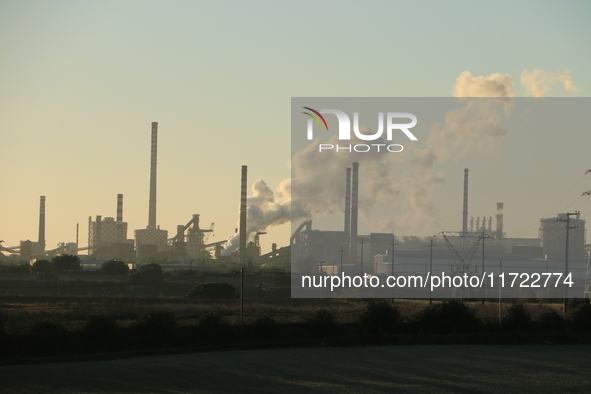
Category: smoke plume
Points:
column 494, row 85
column 265, row 209
column 538, row 83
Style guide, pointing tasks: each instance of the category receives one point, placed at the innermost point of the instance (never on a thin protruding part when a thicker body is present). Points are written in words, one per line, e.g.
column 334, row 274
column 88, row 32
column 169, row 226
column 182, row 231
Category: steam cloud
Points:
column 474, row 127
column 265, row 209
column 494, row 85
column 538, row 83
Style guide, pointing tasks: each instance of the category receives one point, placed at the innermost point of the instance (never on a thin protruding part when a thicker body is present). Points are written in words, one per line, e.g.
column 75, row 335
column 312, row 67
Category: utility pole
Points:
column 500, row 298
column 431, row 245
column 341, row 250
column 392, row 244
column 565, row 217
column 483, row 236
column 242, row 298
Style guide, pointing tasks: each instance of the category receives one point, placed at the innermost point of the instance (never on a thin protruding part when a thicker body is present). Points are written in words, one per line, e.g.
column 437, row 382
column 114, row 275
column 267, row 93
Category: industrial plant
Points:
column 350, row 253
column 312, row 250
column 108, row 236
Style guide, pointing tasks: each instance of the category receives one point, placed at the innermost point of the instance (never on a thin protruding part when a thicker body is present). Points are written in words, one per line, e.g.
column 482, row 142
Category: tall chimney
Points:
column 41, row 242
column 119, row 223
column 243, row 216
column 153, row 162
column 348, row 203
column 465, row 211
column 500, row 207
column 120, row 207
column 354, row 209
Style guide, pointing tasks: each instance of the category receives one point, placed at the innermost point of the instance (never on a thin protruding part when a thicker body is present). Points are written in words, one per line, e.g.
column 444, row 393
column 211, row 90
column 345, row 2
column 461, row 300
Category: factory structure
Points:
column 109, row 238
column 478, row 245
column 340, row 250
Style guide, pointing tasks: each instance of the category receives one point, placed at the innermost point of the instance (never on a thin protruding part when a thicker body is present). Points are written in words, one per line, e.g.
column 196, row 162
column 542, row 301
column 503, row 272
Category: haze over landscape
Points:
column 83, row 81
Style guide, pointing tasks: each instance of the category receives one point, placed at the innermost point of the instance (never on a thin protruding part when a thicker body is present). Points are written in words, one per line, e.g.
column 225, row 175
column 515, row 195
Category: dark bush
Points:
column 114, row 267
column 213, row 290
column 48, row 338
column 322, row 323
column 157, row 324
column 517, row 318
column 101, row 325
column 380, row 317
column 265, row 327
column 22, row 268
column 102, row 333
column 2, row 334
column 580, row 318
column 447, row 317
column 66, row 262
column 551, row 321
column 212, row 326
column 150, row 273
column 42, row 266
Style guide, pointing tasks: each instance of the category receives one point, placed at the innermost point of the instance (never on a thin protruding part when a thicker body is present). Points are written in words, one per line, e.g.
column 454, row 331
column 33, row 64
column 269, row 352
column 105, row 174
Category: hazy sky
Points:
column 82, row 81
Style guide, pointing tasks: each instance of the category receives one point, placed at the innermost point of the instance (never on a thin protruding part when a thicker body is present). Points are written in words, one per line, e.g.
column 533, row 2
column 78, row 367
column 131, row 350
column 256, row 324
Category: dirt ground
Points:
column 487, row 369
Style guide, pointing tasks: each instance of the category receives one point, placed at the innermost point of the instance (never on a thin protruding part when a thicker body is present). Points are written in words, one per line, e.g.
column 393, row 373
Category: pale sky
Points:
column 81, row 82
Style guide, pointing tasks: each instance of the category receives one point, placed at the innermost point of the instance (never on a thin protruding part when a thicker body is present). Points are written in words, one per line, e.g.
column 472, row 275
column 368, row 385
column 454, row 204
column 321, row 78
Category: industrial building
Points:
column 553, row 237
column 373, row 253
column 335, row 250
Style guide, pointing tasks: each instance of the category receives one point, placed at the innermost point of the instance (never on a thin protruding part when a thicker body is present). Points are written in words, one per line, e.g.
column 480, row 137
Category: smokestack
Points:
column 348, row 203
column 500, row 207
column 243, row 216
column 120, row 207
column 119, row 223
column 41, row 242
column 465, row 211
column 153, row 162
column 354, row 209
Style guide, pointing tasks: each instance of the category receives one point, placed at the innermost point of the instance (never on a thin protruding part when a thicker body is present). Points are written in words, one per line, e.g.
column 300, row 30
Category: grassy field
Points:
column 406, row 369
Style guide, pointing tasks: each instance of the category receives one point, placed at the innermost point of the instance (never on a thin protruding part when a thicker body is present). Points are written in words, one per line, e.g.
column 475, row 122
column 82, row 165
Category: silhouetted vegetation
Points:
column 323, row 323
column 447, row 317
column 68, row 326
column 114, row 267
column 580, row 318
column 517, row 318
column 150, row 273
column 66, row 263
column 42, row 266
column 380, row 317
column 213, row 290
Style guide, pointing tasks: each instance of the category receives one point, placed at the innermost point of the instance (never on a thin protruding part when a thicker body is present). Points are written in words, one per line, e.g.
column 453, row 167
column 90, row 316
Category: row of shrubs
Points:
column 379, row 321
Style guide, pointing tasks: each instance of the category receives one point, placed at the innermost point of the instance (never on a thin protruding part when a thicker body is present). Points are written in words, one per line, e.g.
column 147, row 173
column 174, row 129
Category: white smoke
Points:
column 265, row 209
column 406, row 193
column 494, row 85
column 475, row 126
column 538, row 83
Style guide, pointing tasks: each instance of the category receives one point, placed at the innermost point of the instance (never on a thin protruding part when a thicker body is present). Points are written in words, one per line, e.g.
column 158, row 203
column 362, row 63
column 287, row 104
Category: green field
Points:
column 488, row 369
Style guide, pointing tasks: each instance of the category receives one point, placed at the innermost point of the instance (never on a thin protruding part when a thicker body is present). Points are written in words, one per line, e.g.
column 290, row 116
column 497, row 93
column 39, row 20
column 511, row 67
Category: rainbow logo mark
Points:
column 316, row 117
